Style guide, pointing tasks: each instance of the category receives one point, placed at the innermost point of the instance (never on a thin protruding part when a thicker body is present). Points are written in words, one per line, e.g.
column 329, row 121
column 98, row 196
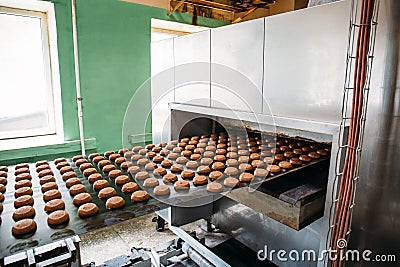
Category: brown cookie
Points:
column 66, row 169
column 94, row 177
column 53, row 205
column 246, row 177
column 108, row 168
column 59, row 160
column 45, row 173
column 107, row 192
column 62, row 164
column 150, row 182
column 68, row 175
column 23, row 176
column 161, row 190
column 23, row 183
column 24, row 212
column 142, row 176
column 159, row 172
column 51, row 194
column 214, row 187
column 187, row 174
column 115, row 202
column 77, row 189
column 122, row 179
column 42, row 167
column 25, row 200
column 81, row 198
column 100, row 184
column 170, row 178
column 23, row 191
column 58, row 217
column 23, row 227
column 139, row 196
column 90, row 171
column 200, row 180
column 46, row 179
column 114, row 174
column 181, row 185
column 87, row 210
column 72, row 181
column 80, row 162
column 231, row 182
column 49, row 186
column 214, row 175
column 129, row 187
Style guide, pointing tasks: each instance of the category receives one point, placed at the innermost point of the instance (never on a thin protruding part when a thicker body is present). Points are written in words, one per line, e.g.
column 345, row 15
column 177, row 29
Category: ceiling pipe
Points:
column 77, row 77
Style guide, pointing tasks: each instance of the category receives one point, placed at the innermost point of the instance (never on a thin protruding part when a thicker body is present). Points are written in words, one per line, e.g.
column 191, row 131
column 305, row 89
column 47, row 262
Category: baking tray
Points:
column 181, row 198
column 44, row 234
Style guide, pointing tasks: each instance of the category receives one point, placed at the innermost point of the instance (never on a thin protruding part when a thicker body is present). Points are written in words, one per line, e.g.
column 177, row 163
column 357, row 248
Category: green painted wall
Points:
column 114, row 47
column 114, row 57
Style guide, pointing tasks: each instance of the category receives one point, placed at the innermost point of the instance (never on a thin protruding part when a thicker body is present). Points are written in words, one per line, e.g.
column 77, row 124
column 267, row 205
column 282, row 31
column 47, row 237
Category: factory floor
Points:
column 107, row 243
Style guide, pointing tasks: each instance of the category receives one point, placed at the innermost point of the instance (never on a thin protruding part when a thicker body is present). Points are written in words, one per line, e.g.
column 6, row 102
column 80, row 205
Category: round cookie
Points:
column 68, row 175
column 136, row 157
column 120, row 160
column 2, row 188
column 206, row 161
column 192, row 164
column 114, row 174
column 203, row 170
column 285, row 165
column 3, row 180
column 231, row 182
column 296, row 162
column 94, row 177
column 93, row 155
column 42, row 168
column 142, row 162
column 129, row 187
column 274, row 169
column 23, row 176
column 25, row 200
column 218, row 166
column 246, row 177
column 53, row 205
column 214, row 187
column 115, row 202
column 176, row 168
column 62, row 164
column 23, row 227
column 245, row 167
column 66, row 169
column 71, row 182
column 181, row 160
column 142, row 176
column 107, row 192
column 100, row 184
column 103, row 163
column 150, row 182
column 195, row 157
column 114, row 156
column 59, row 160
column 22, row 166
column 108, row 153
column 139, row 196
column 23, row 183
column 172, row 156
column 166, row 163
column 23, row 191
column 126, row 165
column 46, row 179
column 159, row 172
column 91, row 171
column 187, row 174
column 122, row 179
column 24, row 212
column 81, row 198
column 158, row 159
column 161, row 190
column 181, row 185
column 87, row 210
column 58, row 217
column 133, row 170
column 150, row 166
column 77, row 189
column 214, row 175
column 49, row 186
column 51, row 194
column 21, row 170
column 75, row 158
column 45, row 173
column 200, row 180
column 79, row 162
column 261, row 173
column 232, row 163
column 170, row 178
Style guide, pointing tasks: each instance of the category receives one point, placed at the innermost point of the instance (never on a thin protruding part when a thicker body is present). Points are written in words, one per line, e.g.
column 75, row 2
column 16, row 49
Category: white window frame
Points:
column 54, row 134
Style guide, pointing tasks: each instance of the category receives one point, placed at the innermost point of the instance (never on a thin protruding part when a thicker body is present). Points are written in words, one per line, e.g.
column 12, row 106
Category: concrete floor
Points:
column 107, row 243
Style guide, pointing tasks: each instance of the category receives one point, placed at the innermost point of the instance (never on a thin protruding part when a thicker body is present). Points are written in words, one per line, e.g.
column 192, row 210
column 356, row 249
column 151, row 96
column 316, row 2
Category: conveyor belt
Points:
column 44, row 234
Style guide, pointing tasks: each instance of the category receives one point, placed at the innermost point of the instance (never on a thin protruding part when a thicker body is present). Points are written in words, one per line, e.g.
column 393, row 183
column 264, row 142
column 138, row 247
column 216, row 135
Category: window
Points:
column 162, row 29
column 30, row 100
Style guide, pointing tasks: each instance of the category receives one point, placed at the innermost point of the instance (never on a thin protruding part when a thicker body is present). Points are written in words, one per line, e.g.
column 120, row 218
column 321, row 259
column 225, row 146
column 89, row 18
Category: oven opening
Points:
column 289, row 170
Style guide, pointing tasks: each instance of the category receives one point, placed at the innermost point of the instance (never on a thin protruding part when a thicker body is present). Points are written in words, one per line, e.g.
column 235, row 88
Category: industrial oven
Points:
column 286, row 75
